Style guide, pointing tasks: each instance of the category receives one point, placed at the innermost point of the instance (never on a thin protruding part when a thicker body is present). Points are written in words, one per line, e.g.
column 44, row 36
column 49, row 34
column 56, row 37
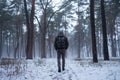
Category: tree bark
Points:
column 113, row 39
column 31, row 42
column 92, row 20
column 79, row 50
column 0, row 41
column 105, row 42
column 43, row 50
column 30, row 30
column 43, row 31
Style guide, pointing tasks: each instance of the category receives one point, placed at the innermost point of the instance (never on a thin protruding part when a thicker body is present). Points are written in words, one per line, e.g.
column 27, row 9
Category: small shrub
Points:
column 7, row 61
column 12, row 66
column 38, row 62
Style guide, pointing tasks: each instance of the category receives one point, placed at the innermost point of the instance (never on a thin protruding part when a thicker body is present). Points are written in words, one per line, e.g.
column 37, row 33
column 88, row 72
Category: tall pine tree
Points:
column 92, row 20
column 105, row 44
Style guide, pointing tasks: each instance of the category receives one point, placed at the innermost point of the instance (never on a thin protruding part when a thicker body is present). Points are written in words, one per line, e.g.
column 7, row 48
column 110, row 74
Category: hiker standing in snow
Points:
column 61, row 45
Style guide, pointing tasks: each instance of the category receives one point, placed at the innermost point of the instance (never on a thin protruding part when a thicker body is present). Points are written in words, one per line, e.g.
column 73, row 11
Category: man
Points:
column 61, row 44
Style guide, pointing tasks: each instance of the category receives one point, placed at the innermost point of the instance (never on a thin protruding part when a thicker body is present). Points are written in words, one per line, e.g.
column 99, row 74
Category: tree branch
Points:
column 42, row 4
column 39, row 24
column 64, row 5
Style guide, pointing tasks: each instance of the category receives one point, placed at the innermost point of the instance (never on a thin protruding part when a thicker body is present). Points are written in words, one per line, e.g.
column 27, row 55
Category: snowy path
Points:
column 75, row 70
column 68, row 74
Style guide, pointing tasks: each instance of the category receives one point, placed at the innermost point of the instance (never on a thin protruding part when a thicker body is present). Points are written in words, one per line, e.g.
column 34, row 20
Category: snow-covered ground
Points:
column 46, row 69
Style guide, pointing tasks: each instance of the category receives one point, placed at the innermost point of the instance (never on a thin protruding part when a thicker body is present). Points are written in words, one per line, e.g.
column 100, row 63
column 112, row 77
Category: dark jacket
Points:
column 66, row 43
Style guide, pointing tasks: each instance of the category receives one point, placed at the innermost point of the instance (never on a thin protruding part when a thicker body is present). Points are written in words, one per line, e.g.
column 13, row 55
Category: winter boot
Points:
column 63, row 68
column 59, row 70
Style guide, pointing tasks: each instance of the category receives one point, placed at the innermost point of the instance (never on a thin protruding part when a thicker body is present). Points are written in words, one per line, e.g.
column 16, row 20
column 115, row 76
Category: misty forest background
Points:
column 28, row 28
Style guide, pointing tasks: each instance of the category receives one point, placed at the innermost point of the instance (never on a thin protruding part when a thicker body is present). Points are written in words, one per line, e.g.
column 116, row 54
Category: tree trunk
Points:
column 114, row 46
column 119, row 46
column 30, row 30
column 0, row 41
column 49, row 45
column 16, row 49
column 43, row 47
column 113, row 38
column 39, row 45
column 79, row 50
column 105, row 43
column 111, row 24
column 8, row 46
column 43, row 53
column 31, row 40
column 94, row 50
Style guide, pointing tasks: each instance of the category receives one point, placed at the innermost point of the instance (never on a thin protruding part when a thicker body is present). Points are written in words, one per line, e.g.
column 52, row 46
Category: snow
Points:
column 46, row 69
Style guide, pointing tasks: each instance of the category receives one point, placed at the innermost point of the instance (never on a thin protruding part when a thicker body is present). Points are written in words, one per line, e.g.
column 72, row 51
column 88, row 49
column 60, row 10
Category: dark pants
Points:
column 61, row 53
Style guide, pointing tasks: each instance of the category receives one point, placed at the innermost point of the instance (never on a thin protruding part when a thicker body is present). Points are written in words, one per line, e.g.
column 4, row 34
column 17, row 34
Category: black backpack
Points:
column 60, row 42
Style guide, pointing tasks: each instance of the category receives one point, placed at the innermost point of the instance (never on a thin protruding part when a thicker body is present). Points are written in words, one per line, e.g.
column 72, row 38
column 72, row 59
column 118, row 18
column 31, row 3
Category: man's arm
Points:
column 67, row 43
column 55, row 44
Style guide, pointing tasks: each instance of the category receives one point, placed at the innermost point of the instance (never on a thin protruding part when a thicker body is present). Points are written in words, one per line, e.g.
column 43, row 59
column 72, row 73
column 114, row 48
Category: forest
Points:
column 28, row 29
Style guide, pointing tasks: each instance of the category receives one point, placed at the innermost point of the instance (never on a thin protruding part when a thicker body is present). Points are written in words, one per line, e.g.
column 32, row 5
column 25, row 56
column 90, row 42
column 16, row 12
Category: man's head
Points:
column 61, row 33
